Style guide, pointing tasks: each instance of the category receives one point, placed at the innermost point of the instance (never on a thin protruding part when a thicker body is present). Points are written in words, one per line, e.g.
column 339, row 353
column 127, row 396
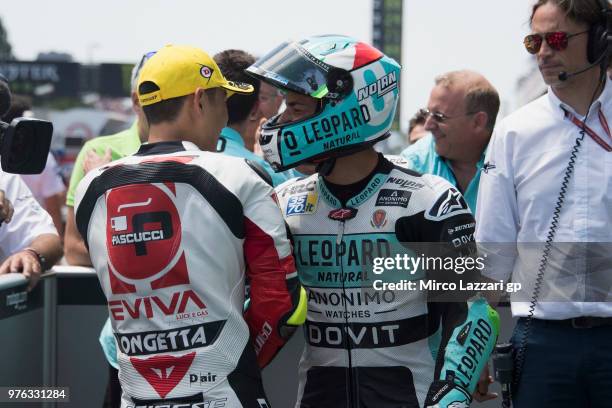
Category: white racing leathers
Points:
column 369, row 346
column 171, row 231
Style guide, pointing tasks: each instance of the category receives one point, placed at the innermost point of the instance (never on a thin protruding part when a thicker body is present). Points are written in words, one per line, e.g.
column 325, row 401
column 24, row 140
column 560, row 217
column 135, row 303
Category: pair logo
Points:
column 202, row 378
column 143, row 238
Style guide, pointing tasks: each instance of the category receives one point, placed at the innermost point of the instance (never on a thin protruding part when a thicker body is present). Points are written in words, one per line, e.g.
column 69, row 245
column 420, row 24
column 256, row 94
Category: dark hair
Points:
column 233, row 64
column 164, row 111
column 419, row 118
column 19, row 104
column 581, row 11
column 588, row 12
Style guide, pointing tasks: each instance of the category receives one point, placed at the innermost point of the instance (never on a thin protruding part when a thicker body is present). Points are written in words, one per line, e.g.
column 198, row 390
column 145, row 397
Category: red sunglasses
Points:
column 556, row 40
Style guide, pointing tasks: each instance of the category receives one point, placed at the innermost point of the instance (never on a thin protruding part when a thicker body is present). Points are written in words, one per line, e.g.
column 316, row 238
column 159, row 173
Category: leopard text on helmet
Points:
column 358, row 89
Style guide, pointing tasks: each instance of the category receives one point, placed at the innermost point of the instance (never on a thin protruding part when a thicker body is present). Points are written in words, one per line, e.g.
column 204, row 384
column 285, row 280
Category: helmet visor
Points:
column 292, row 67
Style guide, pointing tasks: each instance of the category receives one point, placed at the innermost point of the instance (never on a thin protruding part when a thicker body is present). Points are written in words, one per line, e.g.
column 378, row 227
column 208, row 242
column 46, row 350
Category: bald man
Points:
column 460, row 117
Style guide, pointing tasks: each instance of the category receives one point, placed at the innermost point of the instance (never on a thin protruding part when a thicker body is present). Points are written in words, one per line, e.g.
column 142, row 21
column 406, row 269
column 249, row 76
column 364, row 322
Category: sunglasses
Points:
column 556, row 40
column 440, row 117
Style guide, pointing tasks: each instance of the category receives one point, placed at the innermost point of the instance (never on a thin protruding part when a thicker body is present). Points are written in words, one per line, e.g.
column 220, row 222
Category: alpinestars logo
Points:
column 449, row 204
column 342, row 214
column 459, row 404
column 143, row 238
column 463, row 334
column 488, row 166
column 163, row 372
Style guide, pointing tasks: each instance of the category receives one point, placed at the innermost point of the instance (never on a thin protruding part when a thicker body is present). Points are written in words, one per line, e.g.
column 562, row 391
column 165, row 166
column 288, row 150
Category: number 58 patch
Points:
column 302, row 204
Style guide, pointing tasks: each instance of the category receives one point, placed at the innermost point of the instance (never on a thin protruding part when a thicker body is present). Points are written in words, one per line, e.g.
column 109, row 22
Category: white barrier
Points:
column 15, row 300
column 12, row 280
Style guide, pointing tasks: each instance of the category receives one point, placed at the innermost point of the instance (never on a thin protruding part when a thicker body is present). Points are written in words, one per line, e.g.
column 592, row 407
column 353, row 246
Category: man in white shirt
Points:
column 29, row 243
column 544, row 212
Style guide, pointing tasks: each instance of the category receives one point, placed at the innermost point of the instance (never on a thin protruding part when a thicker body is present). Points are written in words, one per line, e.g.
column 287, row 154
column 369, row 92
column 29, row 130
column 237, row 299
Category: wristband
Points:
column 42, row 261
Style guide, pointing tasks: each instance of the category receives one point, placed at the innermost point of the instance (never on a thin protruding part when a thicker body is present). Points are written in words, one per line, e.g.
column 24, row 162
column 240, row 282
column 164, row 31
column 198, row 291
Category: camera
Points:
column 24, row 145
column 25, row 142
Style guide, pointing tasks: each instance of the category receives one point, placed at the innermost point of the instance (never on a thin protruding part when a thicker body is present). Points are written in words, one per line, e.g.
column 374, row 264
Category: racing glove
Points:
column 466, row 354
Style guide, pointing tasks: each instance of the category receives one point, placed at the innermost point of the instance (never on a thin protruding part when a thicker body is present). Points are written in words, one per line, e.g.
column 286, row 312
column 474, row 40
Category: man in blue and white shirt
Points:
column 460, row 117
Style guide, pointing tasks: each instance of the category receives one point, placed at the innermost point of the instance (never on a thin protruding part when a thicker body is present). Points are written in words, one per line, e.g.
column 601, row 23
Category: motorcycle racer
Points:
column 173, row 235
column 367, row 347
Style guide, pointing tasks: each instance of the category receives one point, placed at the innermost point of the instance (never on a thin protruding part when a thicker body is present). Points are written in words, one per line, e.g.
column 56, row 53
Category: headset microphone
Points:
column 607, row 12
column 599, row 43
column 564, row 76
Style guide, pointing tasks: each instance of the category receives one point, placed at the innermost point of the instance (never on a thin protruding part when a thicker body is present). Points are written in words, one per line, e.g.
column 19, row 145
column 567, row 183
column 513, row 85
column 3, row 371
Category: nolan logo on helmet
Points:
column 380, row 88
